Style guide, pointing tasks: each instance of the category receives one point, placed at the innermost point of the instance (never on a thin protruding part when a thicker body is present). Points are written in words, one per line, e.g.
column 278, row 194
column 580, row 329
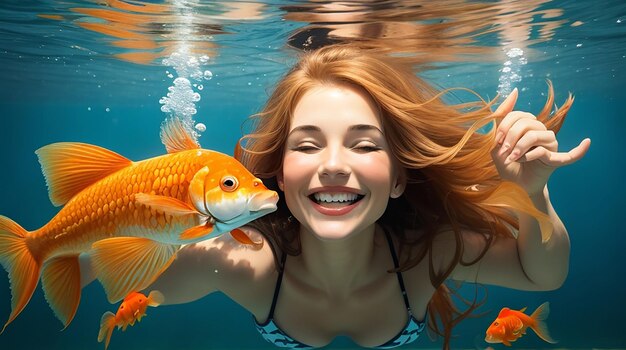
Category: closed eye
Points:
column 305, row 148
column 368, row 148
column 365, row 147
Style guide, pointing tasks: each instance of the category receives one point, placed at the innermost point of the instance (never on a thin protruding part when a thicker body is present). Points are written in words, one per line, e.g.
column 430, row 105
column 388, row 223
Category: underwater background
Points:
column 108, row 72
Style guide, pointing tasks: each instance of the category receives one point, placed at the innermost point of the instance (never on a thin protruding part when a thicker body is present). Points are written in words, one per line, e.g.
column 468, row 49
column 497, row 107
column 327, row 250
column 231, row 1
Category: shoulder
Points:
column 238, row 263
column 242, row 272
column 444, row 251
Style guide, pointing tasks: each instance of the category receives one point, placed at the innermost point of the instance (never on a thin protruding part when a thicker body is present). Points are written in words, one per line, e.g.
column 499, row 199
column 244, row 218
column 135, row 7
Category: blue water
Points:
column 61, row 81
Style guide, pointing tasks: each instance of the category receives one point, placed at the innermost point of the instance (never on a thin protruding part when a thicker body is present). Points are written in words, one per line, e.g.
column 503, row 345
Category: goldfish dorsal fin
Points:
column 238, row 152
column 70, row 167
column 126, row 264
column 504, row 312
column 177, row 136
column 523, row 309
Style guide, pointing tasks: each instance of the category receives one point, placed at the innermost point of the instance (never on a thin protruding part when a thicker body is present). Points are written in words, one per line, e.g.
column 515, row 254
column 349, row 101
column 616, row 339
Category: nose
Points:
column 333, row 163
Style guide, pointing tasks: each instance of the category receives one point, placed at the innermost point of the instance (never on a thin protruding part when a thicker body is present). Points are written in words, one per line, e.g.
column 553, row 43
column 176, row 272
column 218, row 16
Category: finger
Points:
column 534, row 154
column 534, row 138
column 503, row 109
column 507, row 105
column 558, row 159
column 513, row 127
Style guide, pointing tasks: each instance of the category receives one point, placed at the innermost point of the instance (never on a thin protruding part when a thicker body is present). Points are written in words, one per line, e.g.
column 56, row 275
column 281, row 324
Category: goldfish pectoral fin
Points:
column 155, row 298
column 60, row 280
column 22, row 267
column 243, row 238
column 70, row 167
column 107, row 325
column 540, row 327
column 196, row 232
column 168, row 205
column 127, row 264
column 506, row 342
column 177, row 136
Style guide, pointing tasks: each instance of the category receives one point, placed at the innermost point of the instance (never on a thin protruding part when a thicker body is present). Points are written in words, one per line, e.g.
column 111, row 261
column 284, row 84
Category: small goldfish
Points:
column 132, row 309
column 129, row 217
column 510, row 325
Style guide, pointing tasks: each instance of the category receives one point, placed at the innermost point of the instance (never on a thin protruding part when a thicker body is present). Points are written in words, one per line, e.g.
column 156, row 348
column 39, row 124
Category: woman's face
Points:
column 338, row 172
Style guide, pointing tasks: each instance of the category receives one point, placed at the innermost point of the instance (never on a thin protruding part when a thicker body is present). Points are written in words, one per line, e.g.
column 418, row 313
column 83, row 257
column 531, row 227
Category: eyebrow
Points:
column 357, row 127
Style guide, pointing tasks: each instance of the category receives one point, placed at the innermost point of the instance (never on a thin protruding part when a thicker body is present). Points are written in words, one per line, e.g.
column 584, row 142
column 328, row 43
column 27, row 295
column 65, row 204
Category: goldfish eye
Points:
column 229, row 183
column 496, row 323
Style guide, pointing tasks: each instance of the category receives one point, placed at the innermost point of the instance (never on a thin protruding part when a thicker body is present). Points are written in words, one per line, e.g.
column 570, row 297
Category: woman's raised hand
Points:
column 525, row 151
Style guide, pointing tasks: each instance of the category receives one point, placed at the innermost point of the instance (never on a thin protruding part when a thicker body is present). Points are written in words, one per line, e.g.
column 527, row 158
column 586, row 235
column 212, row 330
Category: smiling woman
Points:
column 335, row 131
column 385, row 193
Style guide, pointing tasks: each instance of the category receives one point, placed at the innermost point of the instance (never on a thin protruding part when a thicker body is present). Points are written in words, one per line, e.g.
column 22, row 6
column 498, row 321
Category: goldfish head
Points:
column 229, row 196
column 134, row 306
column 496, row 332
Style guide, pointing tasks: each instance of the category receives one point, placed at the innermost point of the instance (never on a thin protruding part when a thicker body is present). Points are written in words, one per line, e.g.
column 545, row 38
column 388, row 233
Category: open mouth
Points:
column 335, row 200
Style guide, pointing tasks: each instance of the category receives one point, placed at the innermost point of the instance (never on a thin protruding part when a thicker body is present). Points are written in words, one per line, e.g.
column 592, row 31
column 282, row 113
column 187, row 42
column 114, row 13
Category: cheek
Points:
column 377, row 170
column 297, row 169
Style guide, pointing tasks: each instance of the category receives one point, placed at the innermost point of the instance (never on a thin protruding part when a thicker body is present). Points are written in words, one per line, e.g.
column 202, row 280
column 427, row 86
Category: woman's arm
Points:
column 218, row 264
column 240, row 271
column 545, row 264
column 527, row 154
column 524, row 263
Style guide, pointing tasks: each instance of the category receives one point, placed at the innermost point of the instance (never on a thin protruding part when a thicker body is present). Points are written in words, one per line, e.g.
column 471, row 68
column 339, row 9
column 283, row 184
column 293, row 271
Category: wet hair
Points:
column 452, row 183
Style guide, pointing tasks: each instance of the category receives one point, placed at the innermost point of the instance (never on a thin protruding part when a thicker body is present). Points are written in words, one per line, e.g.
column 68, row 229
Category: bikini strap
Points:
column 278, row 283
column 398, row 273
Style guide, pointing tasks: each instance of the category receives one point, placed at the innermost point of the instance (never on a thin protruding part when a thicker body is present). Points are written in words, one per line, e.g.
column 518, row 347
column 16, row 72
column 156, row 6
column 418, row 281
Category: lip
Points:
column 334, row 189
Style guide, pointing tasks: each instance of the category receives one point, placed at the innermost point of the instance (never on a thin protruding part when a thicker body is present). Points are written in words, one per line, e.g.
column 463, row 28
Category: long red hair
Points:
column 451, row 179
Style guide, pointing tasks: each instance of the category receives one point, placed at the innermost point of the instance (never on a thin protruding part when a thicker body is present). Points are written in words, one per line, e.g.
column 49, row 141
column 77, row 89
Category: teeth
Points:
column 335, row 197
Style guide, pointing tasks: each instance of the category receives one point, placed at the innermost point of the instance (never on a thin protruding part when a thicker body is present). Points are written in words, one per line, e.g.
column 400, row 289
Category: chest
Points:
column 371, row 316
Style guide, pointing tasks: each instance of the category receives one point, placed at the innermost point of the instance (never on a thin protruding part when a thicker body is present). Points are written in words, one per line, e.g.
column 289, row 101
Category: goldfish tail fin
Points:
column 107, row 325
column 60, row 280
column 540, row 327
column 22, row 266
column 155, row 298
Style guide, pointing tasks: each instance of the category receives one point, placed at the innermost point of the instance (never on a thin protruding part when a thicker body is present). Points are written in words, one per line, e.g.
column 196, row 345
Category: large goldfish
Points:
column 132, row 309
column 510, row 325
column 130, row 217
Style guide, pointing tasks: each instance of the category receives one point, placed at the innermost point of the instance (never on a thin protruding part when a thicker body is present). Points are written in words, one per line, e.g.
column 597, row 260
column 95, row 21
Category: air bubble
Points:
column 200, row 127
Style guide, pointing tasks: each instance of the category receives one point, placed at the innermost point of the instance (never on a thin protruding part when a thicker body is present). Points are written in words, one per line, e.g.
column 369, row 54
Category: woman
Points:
column 386, row 192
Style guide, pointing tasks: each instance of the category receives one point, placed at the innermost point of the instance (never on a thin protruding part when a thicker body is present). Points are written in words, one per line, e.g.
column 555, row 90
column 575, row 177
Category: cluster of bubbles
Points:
column 510, row 72
column 181, row 98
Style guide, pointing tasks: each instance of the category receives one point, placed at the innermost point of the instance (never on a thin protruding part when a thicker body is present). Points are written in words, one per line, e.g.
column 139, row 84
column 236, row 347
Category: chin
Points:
column 332, row 231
